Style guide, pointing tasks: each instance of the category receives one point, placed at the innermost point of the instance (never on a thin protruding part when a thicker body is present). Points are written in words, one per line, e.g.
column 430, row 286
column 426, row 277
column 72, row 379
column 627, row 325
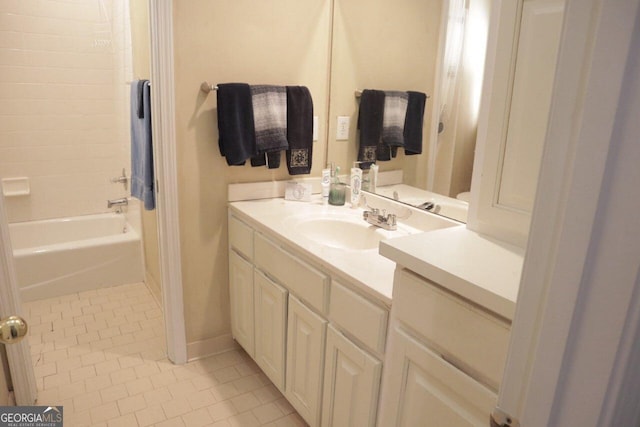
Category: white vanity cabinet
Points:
column 351, row 383
column 241, row 297
column 305, row 360
column 270, row 309
column 444, row 357
column 318, row 340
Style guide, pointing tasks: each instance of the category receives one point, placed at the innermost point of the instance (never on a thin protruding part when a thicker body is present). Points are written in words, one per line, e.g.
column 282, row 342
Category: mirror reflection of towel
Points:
column 395, row 111
column 414, row 122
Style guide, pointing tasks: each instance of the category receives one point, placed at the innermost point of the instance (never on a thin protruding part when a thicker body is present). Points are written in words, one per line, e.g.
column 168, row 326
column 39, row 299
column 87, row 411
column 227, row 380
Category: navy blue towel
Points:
column 370, row 117
column 299, row 130
column 414, row 122
column 142, row 176
column 237, row 137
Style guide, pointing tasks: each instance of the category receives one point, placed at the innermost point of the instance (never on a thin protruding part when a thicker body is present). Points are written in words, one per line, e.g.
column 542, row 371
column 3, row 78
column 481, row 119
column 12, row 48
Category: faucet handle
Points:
column 391, row 220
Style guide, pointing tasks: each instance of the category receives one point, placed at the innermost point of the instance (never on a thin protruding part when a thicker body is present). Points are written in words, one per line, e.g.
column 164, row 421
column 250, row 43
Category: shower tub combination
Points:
column 61, row 256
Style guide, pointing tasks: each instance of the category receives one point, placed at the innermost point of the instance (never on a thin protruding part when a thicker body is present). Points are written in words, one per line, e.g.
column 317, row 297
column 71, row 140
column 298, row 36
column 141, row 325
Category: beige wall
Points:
column 64, row 104
column 386, row 45
column 284, row 42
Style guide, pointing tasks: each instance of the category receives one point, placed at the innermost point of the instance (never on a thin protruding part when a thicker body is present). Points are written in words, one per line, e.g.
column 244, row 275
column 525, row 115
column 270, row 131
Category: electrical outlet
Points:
column 342, row 133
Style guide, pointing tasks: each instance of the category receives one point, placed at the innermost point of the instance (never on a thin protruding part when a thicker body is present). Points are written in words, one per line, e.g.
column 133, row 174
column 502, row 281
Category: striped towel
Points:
column 270, row 119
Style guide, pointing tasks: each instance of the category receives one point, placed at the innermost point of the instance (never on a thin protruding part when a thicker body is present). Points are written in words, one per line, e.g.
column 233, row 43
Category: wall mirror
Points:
column 401, row 45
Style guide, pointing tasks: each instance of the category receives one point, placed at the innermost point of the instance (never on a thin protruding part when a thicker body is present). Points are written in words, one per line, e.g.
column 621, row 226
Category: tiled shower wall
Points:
column 64, row 104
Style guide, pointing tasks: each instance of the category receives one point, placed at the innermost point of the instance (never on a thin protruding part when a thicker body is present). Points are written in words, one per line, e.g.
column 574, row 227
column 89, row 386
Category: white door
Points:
column 351, row 384
column 241, row 297
column 305, row 360
column 270, row 328
column 422, row 389
column 18, row 354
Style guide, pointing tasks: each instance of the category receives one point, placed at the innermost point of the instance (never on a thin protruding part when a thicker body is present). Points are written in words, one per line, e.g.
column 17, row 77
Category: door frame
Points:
column 166, row 171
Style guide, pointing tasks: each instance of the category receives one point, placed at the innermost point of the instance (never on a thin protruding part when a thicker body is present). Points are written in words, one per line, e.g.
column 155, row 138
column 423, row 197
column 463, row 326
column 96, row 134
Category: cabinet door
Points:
column 351, row 383
column 270, row 323
column 422, row 389
column 305, row 360
column 241, row 296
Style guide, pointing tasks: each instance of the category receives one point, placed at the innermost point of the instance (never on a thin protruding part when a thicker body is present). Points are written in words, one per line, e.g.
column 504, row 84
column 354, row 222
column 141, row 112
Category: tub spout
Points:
column 117, row 202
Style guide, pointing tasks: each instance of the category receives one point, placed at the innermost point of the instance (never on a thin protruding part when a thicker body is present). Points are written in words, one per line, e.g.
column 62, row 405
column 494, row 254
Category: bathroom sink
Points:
column 344, row 231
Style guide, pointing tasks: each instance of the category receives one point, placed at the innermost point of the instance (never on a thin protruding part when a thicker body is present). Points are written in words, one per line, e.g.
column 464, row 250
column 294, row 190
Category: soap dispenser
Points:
column 355, row 182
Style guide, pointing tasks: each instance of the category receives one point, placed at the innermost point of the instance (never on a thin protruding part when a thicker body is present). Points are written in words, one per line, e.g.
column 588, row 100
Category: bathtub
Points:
column 61, row 256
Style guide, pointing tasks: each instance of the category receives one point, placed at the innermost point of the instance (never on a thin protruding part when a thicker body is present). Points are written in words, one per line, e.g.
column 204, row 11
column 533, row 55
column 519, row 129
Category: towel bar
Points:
column 358, row 94
column 206, row 87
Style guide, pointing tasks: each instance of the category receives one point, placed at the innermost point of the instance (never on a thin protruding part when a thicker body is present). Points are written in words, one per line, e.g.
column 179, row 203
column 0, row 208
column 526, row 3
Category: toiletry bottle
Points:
column 355, row 182
column 373, row 178
column 326, row 182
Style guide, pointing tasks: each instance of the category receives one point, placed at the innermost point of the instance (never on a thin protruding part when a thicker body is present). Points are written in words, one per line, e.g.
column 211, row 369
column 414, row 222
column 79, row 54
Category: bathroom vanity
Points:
column 352, row 339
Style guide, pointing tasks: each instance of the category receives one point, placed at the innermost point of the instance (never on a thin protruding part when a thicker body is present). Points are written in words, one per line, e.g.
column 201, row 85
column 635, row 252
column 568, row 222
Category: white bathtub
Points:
column 62, row 256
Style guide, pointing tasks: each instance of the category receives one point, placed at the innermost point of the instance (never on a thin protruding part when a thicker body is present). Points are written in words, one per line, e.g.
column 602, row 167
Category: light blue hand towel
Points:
column 142, row 177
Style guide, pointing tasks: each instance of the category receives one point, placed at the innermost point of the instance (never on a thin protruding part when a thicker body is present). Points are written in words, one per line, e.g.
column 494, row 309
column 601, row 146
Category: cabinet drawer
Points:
column 469, row 337
column 299, row 277
column 359, row 317
column 241, row 237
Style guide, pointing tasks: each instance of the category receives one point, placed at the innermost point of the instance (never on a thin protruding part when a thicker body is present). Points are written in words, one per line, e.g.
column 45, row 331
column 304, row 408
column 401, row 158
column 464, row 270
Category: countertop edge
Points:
column 415, row 261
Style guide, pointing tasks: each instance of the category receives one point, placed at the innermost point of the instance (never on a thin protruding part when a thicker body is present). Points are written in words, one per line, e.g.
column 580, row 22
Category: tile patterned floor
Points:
column 101, row 354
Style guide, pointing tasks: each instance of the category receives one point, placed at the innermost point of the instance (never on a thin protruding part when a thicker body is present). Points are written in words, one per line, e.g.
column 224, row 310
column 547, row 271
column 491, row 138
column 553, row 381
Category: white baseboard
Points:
column 210, row 346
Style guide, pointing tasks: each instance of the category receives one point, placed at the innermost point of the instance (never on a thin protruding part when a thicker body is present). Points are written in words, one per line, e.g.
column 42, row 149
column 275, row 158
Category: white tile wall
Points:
column 64, row 103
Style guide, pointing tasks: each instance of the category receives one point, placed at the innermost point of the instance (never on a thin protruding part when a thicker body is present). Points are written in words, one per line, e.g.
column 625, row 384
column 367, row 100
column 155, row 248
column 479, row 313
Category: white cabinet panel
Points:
column 421, row 389
column 241, row 237
column 303, row 280
column 538, row 44
column 241, row 297
column 360, row 317
column 305, row 360
column 351, row 384
column 524, row 37
column 270, row 323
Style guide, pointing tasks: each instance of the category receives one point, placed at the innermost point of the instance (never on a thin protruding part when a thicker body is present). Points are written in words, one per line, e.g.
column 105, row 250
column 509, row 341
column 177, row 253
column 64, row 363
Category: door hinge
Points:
column 499, row 418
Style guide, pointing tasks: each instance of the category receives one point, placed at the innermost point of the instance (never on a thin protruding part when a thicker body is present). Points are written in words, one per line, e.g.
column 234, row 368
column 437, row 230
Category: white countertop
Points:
column 478, row 268
column 370, row 272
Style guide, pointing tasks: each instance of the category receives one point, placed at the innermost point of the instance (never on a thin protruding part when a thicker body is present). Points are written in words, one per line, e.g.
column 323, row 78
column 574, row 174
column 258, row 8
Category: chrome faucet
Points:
column 117, row 202
column 123, row 179
column 382, row 220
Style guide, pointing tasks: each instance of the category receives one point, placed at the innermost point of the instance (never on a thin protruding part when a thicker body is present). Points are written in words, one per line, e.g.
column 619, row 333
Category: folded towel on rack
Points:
column 270, row 120
column 395, row 111
column 299, row 130
column 414, row 122
column 370, row 116
column 237, row 140
column 142, row 177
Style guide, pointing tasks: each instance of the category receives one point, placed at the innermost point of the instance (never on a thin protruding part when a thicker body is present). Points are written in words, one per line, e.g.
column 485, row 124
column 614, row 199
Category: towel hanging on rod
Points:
column 358, row 94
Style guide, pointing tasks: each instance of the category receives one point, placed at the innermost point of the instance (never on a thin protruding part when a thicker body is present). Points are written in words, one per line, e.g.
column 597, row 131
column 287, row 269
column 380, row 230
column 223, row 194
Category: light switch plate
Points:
column 342, row 133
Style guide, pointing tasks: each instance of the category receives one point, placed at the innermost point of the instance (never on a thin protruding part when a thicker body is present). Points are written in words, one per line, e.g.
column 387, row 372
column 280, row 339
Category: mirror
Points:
column 397, row 46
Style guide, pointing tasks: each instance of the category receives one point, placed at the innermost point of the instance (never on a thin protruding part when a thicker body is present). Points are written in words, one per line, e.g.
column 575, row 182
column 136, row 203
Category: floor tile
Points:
column 101, row 354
